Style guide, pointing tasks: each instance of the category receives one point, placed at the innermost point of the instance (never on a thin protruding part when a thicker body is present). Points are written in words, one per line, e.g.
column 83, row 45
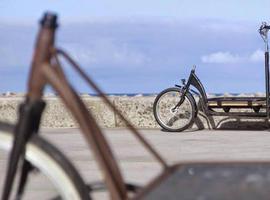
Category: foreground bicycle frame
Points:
column 208, row 105
column 46, row 70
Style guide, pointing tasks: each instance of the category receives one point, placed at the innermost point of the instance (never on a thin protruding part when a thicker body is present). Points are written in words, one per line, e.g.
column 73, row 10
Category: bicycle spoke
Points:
column 171, row 116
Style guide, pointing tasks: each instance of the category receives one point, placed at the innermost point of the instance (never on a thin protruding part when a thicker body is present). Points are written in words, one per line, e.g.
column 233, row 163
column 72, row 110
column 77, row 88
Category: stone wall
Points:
column 137, row 109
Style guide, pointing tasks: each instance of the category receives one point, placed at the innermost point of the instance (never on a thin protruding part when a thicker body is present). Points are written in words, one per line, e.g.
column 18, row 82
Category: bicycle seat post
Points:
column 42, row 55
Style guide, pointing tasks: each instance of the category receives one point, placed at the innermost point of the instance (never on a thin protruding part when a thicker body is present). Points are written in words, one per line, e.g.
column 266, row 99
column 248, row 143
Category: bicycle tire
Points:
column 50, row 162
column 158, row 104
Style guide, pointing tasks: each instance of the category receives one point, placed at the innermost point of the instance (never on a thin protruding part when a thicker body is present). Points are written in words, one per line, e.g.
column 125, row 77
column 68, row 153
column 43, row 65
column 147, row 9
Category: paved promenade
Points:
column 139, row 167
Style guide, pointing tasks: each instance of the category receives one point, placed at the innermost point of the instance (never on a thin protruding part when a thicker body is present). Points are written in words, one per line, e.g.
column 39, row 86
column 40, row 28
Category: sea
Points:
column 127, row 94
column 153, row 94
column 140, row 94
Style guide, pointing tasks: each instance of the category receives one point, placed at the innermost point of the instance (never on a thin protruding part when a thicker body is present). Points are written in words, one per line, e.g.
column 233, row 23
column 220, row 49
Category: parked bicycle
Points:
column 175, row 109
column 30, row 153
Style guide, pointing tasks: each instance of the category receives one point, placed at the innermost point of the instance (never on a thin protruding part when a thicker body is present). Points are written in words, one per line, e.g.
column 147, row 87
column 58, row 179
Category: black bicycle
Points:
column 175, row 109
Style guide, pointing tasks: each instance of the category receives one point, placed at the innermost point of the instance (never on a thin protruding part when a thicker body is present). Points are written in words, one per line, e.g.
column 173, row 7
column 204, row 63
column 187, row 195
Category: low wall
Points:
column 139, row 110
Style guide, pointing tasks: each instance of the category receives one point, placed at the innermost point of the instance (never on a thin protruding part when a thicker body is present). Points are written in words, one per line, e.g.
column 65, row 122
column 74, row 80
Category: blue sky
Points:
column 142, row 46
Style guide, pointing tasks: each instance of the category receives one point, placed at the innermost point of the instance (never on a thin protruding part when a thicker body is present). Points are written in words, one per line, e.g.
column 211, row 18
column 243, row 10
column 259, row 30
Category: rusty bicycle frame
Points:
column 46, row 70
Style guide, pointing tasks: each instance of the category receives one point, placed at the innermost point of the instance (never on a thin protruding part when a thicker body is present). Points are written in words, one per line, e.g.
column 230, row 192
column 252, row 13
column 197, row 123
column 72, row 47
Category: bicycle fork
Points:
column 183, row 92
column 27, row 126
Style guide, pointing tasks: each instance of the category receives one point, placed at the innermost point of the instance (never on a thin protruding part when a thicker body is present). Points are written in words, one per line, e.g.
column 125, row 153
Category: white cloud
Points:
column 225, row 27
column 257, row 56
column 104, row 52
column 227, row 57
column 221, row 57
column 81, row 53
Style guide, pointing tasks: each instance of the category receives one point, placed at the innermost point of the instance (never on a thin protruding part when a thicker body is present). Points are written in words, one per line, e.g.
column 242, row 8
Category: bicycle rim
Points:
column 170, row 119
column 51, row 164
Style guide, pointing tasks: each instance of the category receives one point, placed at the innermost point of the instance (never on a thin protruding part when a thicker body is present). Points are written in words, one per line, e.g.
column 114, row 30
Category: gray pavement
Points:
column 140, row 167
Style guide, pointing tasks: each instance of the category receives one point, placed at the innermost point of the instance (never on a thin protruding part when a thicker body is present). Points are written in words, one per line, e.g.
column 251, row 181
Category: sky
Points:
column 141, row 46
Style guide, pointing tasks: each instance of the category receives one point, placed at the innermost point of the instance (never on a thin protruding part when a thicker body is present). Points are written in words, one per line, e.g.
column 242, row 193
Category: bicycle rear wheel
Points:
column 172, row 119
column 56, row 178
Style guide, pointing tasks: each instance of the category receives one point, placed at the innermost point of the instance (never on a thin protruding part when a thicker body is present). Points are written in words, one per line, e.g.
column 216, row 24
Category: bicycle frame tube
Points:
column 194, row 81
column 42, row 54
column 91, row 131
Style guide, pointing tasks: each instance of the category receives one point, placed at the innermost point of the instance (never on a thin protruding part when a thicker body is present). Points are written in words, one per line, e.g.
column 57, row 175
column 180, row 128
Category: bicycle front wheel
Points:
column 54, row 177
column 171, row 118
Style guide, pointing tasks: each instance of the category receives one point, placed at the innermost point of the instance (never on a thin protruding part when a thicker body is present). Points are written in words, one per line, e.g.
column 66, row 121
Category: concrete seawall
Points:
column 139, row 110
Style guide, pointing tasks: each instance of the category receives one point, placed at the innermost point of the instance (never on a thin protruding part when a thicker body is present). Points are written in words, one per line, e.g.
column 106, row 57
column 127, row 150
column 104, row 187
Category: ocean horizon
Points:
column 153, row 94
column 8, row 93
